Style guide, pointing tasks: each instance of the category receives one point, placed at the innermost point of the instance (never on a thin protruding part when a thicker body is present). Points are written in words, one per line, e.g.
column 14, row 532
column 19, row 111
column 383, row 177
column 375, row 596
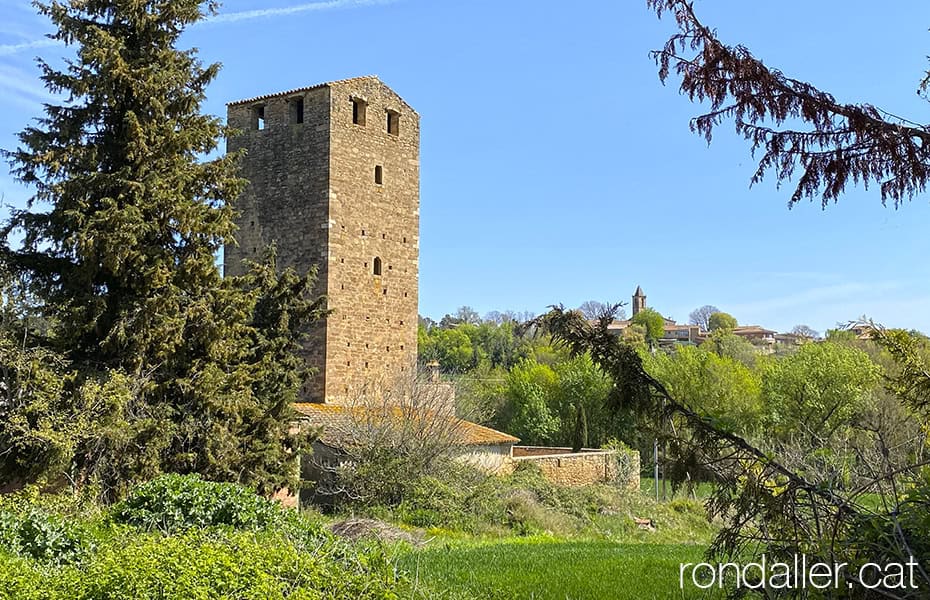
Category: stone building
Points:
column 673, row 333
column 333, row 173
column 334, row 183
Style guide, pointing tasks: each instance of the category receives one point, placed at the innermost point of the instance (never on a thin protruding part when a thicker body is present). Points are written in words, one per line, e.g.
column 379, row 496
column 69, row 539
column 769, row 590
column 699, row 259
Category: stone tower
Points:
column 334, row 182
column 639, row 300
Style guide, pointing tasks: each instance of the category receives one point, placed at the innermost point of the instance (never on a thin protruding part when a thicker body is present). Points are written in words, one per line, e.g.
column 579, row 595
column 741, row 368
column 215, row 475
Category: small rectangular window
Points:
column 359, row 108
column 393, row 122
column 258, row 117
column 379, row 175
column 296, row 106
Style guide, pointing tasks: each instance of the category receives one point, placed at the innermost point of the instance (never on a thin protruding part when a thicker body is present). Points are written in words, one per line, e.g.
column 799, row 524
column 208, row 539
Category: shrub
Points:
column 34, row 533
column 626, row 466
column 174, row 503
column 240, row 565
column 432, row 502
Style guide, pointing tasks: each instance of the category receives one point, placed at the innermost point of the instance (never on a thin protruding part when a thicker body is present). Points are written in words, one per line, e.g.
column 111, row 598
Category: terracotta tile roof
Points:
column 316, row 87
column 752, row 329
column 299, row 90
column 335, row 417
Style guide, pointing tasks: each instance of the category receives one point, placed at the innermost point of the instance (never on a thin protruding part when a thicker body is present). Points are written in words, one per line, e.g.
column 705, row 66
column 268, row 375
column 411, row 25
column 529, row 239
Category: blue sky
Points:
column 556, row 168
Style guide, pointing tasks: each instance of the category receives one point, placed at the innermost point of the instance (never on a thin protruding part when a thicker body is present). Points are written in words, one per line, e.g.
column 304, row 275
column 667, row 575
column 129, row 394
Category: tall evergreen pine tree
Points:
column 172, row 368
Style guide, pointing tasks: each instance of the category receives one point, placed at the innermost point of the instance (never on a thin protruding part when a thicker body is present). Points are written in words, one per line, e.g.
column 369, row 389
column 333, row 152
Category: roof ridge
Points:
column 302, row 89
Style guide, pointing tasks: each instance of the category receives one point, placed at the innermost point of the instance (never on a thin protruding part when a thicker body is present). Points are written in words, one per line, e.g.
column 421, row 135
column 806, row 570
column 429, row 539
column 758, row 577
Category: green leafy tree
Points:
column 499, row 344
column 723, row 343
column 451, row 348
column 580, row 433
column 173, row 367
column 652, row 321
column 526, row 413
column 579, row 400
column 721, row 321
column 817, row 391
column 720, row 387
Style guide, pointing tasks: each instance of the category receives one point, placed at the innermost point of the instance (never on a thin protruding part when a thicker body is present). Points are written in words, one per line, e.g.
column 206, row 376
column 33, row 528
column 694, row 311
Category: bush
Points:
column 197, row 565
column 465, row 499
column 177, row 538
column 34, row 533
column 174, row 503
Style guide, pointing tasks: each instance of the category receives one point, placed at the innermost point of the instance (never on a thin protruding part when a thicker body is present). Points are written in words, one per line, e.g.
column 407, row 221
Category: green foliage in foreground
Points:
column 43, row 536
column 548, row 569
column 196, row 565
column 228, row 546
column 179, row 502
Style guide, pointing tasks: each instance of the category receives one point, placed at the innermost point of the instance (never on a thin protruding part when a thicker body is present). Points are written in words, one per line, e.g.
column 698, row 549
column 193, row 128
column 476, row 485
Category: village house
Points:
column 678, row 333
column 673, row 333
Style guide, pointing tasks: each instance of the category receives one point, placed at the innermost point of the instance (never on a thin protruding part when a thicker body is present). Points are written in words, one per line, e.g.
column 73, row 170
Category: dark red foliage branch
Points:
column 842, row 144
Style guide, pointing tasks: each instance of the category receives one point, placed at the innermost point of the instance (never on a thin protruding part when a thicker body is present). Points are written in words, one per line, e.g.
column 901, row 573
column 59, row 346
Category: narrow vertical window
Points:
column 258, row 117
column 297, row 110
column 377, row 266
column 393, row 122
column 379, row 175
column 358, row 111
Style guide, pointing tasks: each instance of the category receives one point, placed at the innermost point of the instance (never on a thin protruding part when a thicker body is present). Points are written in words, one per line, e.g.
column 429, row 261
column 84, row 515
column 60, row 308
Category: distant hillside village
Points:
column 766, row 340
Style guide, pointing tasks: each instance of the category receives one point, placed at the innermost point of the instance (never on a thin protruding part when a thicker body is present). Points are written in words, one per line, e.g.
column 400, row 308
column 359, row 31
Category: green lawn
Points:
column 548, row 569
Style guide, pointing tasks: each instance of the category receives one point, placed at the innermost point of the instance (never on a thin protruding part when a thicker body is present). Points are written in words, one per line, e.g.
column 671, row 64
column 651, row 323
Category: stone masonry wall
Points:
column 372, row 335
column 581, row 468
column 313, row 192
column 287, row 199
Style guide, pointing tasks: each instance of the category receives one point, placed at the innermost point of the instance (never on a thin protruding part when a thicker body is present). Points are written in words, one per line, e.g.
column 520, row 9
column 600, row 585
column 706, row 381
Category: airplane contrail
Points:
column 245, row 15
column 10, row 49
column 292, row 10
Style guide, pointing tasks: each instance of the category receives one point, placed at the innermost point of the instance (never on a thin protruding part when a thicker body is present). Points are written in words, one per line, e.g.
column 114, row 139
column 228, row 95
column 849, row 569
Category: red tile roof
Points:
column 336, row 417
column 316, row 87
column 751, row 329
column 298, row 90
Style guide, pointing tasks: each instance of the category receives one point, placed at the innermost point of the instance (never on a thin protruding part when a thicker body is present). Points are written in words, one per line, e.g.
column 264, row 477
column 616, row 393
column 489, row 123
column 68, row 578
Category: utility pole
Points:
column 655, row 466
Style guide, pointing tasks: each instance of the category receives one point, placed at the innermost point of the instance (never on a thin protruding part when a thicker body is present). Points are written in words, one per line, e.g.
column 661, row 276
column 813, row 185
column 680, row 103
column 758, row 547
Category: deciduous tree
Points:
column 701, row 316
column 721, row 321
column 592, row 309
column 805, row 332
column 652, row 321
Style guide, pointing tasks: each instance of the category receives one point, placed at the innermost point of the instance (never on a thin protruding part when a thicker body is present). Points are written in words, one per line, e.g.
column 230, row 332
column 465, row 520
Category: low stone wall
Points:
column 523, row 451
column 564, row 467
column 493, row 459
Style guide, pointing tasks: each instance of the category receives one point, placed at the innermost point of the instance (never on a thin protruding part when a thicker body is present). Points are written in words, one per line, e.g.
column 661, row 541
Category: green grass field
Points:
column 550, row 569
